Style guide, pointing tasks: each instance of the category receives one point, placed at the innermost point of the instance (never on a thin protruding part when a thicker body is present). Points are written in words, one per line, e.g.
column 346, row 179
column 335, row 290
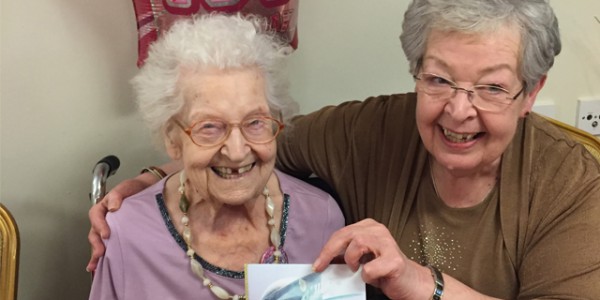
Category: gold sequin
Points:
column 436, row 246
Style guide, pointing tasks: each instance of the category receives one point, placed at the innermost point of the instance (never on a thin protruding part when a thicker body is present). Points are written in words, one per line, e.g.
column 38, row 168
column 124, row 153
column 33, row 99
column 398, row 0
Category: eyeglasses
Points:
column 213, row 132
column 486, row 97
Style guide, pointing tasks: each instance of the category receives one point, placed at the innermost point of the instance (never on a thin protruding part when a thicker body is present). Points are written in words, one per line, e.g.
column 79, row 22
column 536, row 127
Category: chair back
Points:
column 589, row 141
column 9, row 255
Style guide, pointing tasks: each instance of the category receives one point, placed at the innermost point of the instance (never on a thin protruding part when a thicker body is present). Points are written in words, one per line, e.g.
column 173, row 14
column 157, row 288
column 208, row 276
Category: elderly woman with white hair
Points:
column 212, row 89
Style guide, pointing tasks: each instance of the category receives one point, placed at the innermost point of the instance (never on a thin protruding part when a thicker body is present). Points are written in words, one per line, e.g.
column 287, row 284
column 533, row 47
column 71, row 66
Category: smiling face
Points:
column 461, row 137
column 235, row 171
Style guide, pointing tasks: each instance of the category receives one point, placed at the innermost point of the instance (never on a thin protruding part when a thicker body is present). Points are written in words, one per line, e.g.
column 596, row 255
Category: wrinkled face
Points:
column 236, row 170
column 461, row 137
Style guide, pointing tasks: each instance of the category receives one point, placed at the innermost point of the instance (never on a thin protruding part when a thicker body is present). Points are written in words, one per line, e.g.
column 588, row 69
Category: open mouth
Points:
column 229, row 173
column 461, row 137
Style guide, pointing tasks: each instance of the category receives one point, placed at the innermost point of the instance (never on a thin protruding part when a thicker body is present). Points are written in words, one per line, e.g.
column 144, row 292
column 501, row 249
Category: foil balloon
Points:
column 156, row 16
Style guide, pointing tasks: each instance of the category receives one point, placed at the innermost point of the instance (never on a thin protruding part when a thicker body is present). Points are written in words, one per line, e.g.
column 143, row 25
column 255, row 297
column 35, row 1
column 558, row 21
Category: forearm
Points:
column 456, row 290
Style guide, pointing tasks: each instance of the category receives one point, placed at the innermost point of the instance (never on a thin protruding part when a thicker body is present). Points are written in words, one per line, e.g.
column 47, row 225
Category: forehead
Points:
column 223, row 93
column 474, row 52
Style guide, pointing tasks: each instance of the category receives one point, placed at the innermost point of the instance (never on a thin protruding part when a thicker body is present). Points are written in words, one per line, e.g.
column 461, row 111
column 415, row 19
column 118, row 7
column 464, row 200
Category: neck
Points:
column 463, row 190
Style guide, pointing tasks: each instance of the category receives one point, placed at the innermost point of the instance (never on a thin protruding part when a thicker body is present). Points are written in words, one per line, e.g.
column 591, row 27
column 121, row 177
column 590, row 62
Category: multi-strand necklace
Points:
column 274, row 251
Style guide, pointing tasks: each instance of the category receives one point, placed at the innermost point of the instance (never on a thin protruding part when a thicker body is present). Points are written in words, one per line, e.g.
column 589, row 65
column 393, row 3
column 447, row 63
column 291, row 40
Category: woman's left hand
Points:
column 370, row 244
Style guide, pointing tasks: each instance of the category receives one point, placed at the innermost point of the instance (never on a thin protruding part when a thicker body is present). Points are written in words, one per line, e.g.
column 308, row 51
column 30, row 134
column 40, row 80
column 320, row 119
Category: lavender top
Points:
column 145, row 256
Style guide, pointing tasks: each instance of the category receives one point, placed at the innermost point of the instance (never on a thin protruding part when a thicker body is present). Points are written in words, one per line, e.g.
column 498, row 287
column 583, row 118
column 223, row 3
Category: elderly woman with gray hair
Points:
column 466, row 193
column 212, row 89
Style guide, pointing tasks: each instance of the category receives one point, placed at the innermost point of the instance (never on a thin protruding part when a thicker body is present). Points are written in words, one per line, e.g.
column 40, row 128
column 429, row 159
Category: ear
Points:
column 532, row 95
column 172, row 142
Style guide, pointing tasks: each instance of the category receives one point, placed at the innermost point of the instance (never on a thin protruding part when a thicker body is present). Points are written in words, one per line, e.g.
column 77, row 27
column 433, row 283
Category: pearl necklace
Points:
column 196, row 267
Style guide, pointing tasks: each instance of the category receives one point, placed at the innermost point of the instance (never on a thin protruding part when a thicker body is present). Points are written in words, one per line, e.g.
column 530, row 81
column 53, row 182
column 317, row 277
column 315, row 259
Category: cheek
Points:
column 267, row 153
column 501, row 130
column 427, row 115
column 196, row 157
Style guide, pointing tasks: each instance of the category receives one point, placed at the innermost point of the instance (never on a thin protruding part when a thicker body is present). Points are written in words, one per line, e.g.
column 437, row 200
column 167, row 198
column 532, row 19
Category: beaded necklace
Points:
column 274, row 251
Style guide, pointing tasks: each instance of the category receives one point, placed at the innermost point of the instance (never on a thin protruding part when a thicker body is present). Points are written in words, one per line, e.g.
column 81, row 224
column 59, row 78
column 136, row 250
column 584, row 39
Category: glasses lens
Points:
column 208, row 132
column 491, row 98
column 260, row 130
column 435, row 85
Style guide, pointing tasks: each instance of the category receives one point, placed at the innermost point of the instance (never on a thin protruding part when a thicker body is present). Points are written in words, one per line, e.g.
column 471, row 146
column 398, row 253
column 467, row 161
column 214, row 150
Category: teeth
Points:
column 458, row 137
column 227, row 172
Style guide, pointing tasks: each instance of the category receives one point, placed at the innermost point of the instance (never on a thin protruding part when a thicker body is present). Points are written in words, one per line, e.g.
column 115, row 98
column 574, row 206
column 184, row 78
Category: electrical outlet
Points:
column 588, row 115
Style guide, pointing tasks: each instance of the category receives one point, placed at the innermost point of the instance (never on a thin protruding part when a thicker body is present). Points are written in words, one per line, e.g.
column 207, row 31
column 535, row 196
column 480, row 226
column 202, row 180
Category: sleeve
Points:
column 560, row 253
column 317, row 143
column 365, row 151
column 109, row 277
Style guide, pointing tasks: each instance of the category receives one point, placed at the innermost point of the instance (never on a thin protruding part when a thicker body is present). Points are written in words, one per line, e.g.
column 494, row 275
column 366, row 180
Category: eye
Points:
column 491, row 89
column 208, row 127
column 435, row 80
column 256, row 124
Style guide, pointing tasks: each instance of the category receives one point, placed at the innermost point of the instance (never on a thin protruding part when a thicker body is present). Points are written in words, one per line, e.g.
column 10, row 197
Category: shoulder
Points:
column 383, row 103
column 139, row 208
column 306, row 199
column 551, row 143
column 297, row 188
column 557, row 170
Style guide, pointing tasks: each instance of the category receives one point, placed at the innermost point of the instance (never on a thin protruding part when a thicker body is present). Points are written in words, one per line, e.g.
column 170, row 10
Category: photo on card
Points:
column 299, row 282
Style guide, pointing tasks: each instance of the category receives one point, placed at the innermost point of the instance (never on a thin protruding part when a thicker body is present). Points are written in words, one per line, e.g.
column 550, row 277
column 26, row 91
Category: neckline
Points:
column 486, row 199
column 205, row 264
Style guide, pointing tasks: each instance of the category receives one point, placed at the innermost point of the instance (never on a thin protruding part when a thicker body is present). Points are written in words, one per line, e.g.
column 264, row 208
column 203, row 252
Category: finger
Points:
column 340, row 241
column 396, row 277
column 359, row 251
column 381, row 268
column 334, row 247
column 97, row 215
column 98, row 250
column 113, row 201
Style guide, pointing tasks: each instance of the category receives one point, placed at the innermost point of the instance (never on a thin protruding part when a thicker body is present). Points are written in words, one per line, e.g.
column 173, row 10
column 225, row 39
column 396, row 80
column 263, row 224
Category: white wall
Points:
column 66, row 102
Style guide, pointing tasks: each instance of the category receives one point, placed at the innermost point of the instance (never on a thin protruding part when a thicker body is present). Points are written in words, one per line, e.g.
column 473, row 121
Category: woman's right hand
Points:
column 111, row 202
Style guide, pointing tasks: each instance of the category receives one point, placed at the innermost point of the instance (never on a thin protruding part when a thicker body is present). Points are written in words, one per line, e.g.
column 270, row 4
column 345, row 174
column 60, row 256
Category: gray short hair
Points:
column 210, row 41
column 540, row 37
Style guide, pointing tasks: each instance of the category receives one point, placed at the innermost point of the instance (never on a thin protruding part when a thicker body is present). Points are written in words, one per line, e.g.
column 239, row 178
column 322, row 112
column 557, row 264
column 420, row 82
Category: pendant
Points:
column 269, row 256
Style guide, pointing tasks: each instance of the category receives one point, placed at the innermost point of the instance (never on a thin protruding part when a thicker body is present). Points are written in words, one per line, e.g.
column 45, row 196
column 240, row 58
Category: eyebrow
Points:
column 487, row 70
column 200, row 115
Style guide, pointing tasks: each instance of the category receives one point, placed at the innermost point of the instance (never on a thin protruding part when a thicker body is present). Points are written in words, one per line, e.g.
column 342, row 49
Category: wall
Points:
column 66, row 102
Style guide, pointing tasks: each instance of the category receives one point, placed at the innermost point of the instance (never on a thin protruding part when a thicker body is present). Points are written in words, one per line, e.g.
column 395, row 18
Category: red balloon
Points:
column 155, row 16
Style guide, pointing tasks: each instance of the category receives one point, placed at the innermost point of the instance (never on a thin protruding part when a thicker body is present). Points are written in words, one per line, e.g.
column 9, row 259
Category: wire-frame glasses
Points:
column 486, row 97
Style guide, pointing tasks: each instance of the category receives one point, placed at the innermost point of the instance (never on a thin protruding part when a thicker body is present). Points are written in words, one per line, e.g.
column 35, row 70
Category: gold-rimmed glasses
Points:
column 486, row 97
column 213, row 132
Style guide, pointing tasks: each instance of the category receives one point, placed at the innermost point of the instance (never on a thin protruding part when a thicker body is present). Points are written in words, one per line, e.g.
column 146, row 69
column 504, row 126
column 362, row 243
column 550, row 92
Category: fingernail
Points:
column 315, row 264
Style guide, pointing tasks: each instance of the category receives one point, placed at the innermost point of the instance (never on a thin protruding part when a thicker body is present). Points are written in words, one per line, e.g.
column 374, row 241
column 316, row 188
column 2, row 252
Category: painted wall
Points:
column 66, row 103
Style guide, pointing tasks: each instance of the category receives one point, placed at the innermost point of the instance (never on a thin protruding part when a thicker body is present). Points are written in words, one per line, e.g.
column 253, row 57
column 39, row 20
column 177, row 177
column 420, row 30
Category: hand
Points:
column 111, row 202
column 383, row 264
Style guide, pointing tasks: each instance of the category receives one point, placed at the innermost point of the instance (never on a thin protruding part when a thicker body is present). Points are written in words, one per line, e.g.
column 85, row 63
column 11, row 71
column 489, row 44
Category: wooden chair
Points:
column 9, row 255
column 591, row 142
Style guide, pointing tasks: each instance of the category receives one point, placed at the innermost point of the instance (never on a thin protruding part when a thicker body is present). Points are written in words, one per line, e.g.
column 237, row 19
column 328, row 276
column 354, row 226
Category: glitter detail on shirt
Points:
column 436, row 246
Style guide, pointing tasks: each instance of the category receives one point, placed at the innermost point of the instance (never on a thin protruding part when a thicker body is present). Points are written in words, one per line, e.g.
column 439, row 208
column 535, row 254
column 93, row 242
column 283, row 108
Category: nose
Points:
column 235, row 146
column 460, row 106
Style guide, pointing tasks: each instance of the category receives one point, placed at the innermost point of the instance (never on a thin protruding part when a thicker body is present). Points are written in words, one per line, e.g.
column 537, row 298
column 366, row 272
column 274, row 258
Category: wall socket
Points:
column 588, row 115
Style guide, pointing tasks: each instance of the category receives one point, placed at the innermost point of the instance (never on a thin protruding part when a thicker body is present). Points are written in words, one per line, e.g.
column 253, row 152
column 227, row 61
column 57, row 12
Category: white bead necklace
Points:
column 196, row 267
